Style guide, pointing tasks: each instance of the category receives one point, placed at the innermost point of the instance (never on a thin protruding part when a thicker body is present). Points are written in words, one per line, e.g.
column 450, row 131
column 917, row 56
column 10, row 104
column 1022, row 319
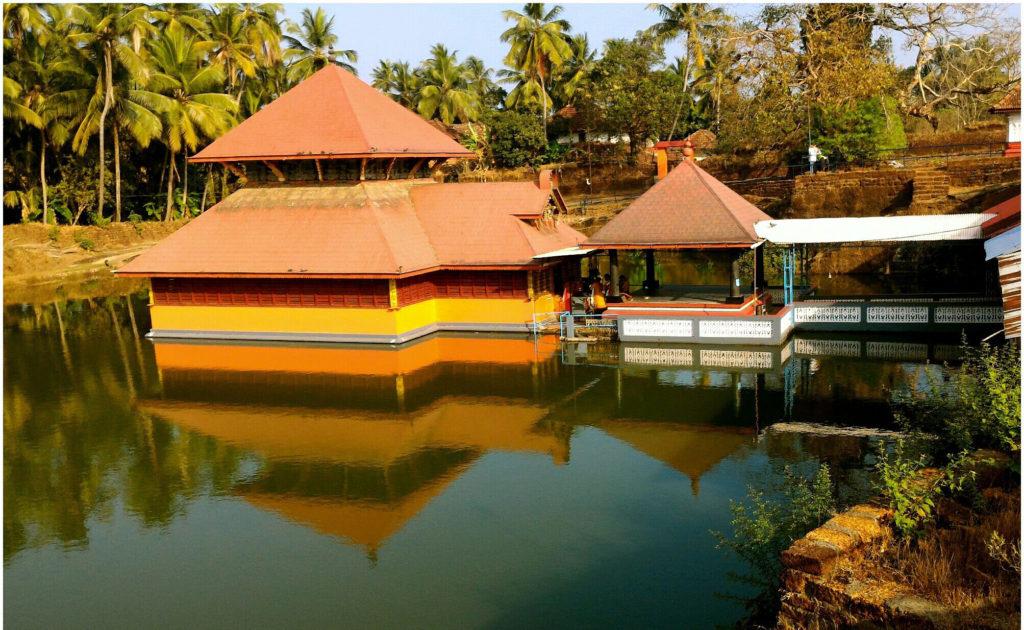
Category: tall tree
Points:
column 50, row 91
column 114, row 34
column 695, row 23
column 232, row 45
column 578, row 68
column 196, row 107
column 446, row 93
column 311, row 46
column 718, row 75
column 538, row 47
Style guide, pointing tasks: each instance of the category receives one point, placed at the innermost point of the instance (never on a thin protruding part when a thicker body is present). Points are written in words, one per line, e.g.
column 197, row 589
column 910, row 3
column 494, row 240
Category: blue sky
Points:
column 407, row 31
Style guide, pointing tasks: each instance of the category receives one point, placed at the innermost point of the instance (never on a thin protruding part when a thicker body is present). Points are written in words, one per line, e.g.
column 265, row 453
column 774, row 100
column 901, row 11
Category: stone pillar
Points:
column 613, row 271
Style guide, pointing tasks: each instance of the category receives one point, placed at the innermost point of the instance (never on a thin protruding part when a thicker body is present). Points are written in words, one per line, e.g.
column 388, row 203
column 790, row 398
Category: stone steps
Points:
column 931, row 192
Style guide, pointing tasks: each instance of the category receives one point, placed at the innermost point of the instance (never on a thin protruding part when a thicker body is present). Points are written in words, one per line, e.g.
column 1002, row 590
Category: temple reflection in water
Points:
column 357, row 441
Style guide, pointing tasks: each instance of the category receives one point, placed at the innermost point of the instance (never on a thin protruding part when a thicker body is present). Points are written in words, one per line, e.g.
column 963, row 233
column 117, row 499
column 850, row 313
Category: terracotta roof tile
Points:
column 1009, row 103
column 688, row 208
column 370, row 229
column 332, row 113
column 473, row 223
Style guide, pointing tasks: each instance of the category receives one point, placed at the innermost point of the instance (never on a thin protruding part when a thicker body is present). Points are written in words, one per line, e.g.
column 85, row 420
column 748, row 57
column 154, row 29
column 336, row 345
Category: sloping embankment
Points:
column 39, row 260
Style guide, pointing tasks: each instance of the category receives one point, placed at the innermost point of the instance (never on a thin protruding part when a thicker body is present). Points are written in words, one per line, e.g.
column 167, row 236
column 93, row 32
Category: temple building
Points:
column 340, row 232
column 1010, row 107
column 688, row 210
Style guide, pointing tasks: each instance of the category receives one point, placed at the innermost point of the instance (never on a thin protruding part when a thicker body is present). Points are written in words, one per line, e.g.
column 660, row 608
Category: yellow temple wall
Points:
column 253, row 320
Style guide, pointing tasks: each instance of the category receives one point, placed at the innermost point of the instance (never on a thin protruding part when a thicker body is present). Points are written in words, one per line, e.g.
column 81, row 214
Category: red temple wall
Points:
column 305, row 292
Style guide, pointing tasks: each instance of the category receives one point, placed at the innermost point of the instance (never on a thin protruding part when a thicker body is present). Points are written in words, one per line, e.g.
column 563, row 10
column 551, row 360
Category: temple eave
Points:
column 199, row 158
column 530, row 266
column 730, row 245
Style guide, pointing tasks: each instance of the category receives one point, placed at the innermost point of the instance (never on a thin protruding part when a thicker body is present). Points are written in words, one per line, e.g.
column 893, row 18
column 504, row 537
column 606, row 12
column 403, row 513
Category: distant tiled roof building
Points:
column 1010, row 105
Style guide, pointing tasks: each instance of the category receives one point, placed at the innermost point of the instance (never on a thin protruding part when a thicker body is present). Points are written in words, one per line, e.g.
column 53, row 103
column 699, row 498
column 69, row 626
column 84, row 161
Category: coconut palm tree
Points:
column 526, row 93
column 233, row 47
column 114, row 35
column 480, row 78
column 134, row 108
column 538, row 47
column 578, row 67
column 196, row 107
column 695, row 23
column 51, row 91
column 311, row 46
column 446, row 93
column 192, row 17
column 263, row 29
column 383, row 76
column 19, row 20
column 14, row 107
column 692, row 21
column 710, row 83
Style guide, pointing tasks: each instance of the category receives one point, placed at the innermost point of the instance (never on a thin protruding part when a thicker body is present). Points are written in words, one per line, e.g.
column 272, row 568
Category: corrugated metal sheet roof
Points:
column 332, row 114
column 1009, row 281
column 368, row 229
column 688, row 208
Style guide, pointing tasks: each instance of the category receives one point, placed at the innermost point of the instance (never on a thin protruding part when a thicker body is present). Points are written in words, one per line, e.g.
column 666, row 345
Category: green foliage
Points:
column 555, row 152
column 764, row 527
column 629, row 94
column 515, row 138
column 978, row 408
column 912, row 489
column 98, row 219
column 85, row 243
column 894, row 134
column 53, row 234
column 851, row 132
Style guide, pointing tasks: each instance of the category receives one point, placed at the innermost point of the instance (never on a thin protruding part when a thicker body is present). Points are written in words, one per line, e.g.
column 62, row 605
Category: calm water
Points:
column 463, row 481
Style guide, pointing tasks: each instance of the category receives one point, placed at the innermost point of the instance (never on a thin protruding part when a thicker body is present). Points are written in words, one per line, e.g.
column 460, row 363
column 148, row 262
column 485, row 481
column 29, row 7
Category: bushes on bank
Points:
column 515, row 138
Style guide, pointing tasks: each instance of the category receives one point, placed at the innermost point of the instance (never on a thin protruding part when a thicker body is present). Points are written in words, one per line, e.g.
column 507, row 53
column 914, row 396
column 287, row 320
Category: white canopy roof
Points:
column 931, row 227
column 568, row 251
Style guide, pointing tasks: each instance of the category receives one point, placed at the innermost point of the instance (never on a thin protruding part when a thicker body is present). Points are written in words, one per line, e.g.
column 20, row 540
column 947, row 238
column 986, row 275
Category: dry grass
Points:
column 953, row 565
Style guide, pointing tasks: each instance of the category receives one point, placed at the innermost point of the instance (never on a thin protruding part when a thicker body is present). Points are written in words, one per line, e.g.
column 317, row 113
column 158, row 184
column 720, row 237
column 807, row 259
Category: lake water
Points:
column 465, row 481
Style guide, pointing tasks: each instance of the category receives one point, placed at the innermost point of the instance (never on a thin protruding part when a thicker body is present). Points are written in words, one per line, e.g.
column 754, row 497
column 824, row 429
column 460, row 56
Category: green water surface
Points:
column 461, row 482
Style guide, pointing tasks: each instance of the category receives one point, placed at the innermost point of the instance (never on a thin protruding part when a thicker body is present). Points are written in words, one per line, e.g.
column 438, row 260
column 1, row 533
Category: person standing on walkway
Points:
column 812, row 156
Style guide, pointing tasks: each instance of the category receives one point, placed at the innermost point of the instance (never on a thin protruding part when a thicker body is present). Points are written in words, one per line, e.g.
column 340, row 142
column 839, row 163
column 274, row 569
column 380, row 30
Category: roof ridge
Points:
column 697, row 171
column 373, row 207
column 419, row 220
column 348, row 103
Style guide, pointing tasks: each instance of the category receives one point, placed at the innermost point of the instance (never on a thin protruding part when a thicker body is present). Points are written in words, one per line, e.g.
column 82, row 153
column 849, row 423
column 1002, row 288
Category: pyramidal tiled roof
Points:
column 687, row 209
column 332, row 114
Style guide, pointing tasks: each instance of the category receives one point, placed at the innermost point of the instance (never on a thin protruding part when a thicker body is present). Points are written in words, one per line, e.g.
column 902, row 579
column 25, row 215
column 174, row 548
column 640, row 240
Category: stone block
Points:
column 811, row 556
column 863, row 528
column 913, row 608
column 843, row 542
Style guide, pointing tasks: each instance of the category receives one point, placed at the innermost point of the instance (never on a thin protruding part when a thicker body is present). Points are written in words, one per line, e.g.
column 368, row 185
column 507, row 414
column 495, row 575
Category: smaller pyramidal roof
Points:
column 332, row 114
column 688, row 209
